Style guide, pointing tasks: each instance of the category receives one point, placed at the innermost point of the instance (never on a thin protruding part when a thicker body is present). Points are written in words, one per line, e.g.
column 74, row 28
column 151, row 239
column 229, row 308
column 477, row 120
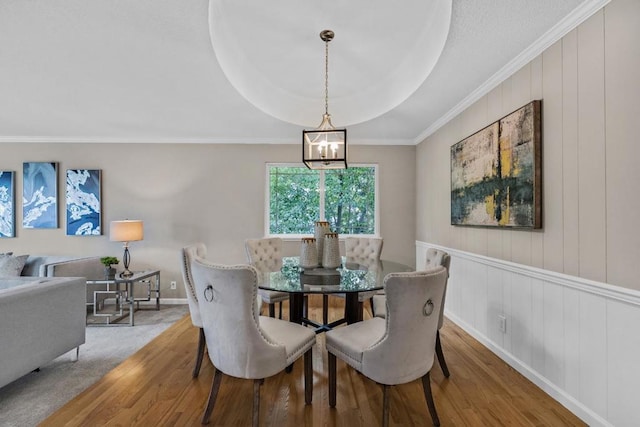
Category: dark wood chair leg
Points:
column 199, row 355
column 213, row 395
column 426, row 386
column 373, row 313
column 385, row 405
column 308, row 377
column 325, row 309
column 272, row 310
column 332, row 380
column 280, row 310
column 440, row 354
column 256, row 402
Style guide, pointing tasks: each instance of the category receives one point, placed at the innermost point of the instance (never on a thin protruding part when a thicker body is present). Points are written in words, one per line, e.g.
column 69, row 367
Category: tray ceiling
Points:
column 155, row 71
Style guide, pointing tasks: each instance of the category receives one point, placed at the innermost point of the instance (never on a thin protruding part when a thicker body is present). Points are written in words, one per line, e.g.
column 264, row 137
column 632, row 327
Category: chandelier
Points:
column 325, row 147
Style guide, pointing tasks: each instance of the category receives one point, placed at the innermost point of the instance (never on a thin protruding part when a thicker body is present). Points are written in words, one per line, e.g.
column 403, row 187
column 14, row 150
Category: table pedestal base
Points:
column 353, row 312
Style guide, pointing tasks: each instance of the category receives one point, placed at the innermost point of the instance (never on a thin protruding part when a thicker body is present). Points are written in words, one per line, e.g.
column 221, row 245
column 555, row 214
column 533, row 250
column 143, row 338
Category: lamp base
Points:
column 125, row 260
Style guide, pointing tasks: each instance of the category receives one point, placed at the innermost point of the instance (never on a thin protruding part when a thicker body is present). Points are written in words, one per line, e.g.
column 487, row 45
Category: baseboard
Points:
column 166, row 301
column 574, row 338
column 163, row 301
column 577, row 408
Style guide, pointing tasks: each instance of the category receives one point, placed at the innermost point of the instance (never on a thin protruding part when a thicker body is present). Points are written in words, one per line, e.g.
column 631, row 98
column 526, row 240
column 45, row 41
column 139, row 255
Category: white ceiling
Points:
column 146, row 70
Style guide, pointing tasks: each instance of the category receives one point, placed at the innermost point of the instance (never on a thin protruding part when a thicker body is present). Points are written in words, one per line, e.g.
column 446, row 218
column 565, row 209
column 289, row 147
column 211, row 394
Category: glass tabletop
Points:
column 349, row 277
column 137, row 276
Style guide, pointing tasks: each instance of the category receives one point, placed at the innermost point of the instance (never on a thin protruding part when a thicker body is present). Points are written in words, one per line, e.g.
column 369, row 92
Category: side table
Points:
column 122, row 288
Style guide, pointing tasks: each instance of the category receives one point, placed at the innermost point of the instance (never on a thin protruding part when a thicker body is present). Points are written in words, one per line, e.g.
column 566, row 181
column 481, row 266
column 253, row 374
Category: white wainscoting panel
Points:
column 576, row 339
column 624, row 349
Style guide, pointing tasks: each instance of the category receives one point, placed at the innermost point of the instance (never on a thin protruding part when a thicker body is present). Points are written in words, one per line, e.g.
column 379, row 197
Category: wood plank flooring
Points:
column 154, row 388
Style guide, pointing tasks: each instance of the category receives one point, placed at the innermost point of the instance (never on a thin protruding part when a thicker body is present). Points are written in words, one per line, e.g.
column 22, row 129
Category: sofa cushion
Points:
column 11, row 266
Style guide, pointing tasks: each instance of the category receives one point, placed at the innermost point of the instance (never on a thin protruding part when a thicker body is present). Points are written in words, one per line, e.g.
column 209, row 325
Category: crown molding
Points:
column 215, row 140
column 568, row 23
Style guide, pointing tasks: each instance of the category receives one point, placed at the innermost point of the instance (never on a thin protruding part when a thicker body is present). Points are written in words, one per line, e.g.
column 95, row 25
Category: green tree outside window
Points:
column 299, row 196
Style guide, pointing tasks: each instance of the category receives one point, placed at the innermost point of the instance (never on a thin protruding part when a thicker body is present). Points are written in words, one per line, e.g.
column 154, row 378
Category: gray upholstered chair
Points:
column 241, row 343
column 434, row 258
column 188, row 254
column 364, row 252
column 400, row 348
column 266, row 255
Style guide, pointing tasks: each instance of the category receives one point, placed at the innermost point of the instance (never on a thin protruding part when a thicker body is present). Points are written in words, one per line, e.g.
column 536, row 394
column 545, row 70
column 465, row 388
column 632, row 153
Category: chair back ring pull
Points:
column 428, row 308
column 208, row 293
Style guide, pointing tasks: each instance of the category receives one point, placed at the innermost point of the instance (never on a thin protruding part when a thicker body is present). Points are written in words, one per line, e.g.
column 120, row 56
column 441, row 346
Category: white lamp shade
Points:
column 126, row 231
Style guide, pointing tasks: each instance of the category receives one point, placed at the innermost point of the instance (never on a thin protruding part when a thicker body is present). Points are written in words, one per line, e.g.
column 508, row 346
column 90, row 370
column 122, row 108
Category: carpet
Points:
column 32, row 398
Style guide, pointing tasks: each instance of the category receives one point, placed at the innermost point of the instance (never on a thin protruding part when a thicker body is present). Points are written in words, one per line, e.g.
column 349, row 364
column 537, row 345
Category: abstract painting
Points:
column 7, row 211
column 83, row 202
column 39, row 195
column 496, row 173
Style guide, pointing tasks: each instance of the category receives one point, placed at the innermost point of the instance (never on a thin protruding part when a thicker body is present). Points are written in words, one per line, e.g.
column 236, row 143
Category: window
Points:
column 297, row 197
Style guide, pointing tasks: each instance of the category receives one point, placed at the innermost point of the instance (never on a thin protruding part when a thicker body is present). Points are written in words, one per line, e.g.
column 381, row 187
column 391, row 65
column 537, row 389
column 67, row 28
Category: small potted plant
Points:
column 108, row 261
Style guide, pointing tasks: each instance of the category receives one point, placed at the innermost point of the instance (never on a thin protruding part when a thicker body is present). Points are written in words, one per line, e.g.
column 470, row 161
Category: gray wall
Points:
column 195, row 192
column 589, row 85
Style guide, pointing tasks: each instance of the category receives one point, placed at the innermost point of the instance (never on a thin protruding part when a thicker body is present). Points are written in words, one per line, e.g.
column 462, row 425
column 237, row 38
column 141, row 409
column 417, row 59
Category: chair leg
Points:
column 256, row 402
column 332, row 380
column 199, row 355
column 385, row 405
column 325, row 309
column 308, row 376
column 213, row 395
column 280, row 310
column 373, row 313
column 272, row 310
column 440, row 354
column 426, row 386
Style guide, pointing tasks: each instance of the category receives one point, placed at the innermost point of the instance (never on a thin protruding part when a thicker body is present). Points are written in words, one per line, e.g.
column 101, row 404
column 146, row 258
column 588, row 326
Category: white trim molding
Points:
column 571, row 21
column 576, row 339
column 165, row 301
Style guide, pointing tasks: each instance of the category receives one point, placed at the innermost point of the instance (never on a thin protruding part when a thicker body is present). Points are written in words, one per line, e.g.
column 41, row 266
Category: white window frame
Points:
column 288, row 237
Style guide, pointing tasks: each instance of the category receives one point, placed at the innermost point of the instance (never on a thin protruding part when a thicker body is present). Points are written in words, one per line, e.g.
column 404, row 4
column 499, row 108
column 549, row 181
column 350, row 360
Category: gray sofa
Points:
column 40, row 319
column 65, row 266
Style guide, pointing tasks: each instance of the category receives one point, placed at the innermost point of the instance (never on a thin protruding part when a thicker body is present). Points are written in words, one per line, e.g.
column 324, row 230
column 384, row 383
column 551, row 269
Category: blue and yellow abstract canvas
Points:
column 39, row 195
column 83, row 202
column 7, row 211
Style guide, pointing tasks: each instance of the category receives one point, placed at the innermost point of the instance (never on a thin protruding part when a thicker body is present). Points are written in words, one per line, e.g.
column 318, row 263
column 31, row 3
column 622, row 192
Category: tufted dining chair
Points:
column 365, row 252
column 266, row 255
column 400, row 348
column 243, row 344
column 188, row 254
column 434, row 258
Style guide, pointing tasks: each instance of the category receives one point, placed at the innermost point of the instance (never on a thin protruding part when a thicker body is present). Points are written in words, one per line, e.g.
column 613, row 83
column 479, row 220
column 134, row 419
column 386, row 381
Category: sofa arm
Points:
column 89, row 268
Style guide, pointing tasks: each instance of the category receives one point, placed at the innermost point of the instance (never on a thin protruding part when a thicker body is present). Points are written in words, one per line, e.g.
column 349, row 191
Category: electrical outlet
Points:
column 502, row 323
column 173, row 284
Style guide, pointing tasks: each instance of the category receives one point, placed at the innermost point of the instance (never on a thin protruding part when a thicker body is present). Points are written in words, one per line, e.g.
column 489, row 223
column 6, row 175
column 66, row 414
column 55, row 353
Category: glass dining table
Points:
column 349, row 279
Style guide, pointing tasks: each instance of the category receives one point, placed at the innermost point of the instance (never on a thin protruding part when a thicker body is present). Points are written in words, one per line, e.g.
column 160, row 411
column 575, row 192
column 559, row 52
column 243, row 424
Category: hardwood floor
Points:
column 154, row 388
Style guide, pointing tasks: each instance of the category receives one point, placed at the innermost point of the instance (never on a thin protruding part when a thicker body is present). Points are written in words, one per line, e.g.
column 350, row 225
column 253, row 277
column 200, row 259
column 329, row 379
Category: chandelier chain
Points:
column 326, row 77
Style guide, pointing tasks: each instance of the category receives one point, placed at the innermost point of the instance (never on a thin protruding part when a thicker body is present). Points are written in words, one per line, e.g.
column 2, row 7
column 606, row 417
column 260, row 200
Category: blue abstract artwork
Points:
column 83, row 202
column 7, row 211
column 39, row 195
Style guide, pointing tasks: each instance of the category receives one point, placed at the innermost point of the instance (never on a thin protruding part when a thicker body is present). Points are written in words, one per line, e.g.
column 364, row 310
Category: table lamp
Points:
column 126, row 231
